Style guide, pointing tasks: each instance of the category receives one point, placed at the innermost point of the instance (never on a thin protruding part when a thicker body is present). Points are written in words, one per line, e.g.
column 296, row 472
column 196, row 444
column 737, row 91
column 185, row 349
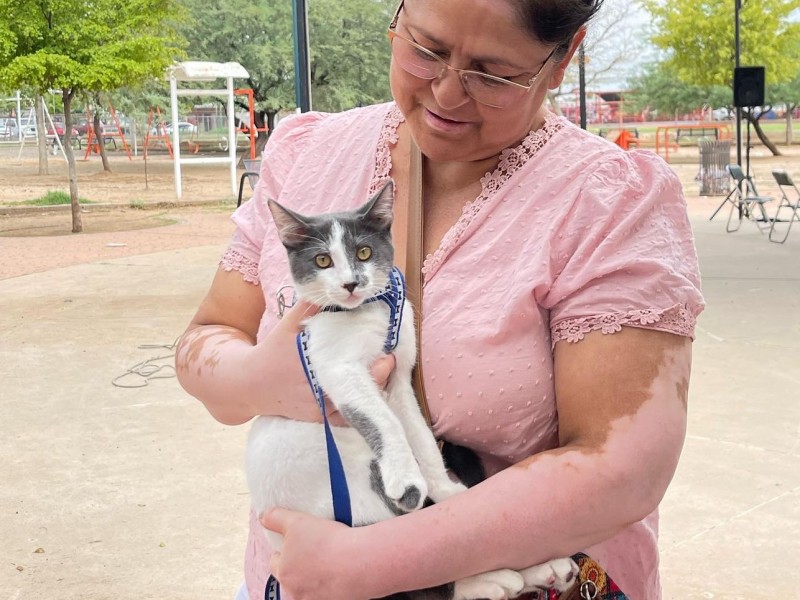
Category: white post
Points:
column 19, row 117
column 232, row 134
column 56, row 139
column 176, row 148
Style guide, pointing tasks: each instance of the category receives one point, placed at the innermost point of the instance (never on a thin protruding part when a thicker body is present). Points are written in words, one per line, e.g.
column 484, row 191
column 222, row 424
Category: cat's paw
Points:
column 408, row 493
column 493, row 585
column 403, row 485
column 441, row 490
column 558, row 574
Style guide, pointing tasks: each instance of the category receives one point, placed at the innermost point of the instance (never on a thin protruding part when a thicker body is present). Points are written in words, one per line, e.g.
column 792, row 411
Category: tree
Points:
column 788, row 94
column 612, row 53
column 349, row 53
column 81, row 47
column 659, row 90
column 698, row 36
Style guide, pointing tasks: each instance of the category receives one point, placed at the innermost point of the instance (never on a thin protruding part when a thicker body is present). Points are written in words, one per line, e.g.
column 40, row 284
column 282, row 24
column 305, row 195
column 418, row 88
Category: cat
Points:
column 390, row 457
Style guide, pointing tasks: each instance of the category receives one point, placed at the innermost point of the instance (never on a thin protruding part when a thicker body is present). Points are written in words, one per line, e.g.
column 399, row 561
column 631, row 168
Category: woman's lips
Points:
column 444, row 124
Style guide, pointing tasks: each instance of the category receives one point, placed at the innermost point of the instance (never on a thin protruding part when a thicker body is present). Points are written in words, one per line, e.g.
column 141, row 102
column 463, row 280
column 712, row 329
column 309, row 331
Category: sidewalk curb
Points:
column 11, row 211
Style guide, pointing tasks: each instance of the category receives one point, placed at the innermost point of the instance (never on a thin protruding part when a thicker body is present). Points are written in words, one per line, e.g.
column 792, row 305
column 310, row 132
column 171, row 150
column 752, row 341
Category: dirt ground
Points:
column 143, row 202
column 134, row 215
column 102, row 500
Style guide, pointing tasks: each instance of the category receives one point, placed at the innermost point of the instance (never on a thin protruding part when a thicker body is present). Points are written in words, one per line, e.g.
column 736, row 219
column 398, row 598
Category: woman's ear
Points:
column 558, row 73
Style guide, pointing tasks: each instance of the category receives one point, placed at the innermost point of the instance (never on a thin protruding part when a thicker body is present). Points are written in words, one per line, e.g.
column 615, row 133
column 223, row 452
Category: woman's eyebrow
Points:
column 482, row 60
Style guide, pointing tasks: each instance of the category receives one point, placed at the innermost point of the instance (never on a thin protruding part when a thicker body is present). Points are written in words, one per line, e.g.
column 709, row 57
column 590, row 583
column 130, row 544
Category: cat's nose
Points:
column 350, row 286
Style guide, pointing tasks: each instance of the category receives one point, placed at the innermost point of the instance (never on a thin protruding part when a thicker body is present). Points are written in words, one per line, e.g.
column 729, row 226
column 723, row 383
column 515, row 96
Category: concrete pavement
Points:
column 135, row 493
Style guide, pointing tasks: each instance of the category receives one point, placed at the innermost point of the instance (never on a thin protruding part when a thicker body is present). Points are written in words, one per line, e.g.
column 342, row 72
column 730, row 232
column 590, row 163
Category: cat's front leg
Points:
column 353, row 391
column 400, row 397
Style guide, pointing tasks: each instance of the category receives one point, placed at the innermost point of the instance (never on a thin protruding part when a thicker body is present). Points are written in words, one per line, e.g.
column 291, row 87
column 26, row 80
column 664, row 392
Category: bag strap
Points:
column 414, row 276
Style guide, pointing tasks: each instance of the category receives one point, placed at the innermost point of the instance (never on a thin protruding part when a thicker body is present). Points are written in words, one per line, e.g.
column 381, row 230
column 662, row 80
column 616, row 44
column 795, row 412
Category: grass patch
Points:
column 53, row 198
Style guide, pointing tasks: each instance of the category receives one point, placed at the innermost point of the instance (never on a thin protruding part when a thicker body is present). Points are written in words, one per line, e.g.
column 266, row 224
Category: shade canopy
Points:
column 196, row 70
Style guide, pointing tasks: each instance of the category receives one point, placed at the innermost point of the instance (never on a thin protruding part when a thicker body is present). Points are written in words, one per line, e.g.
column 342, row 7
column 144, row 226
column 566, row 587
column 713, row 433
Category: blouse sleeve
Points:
column 625, row 254
column 284, row 146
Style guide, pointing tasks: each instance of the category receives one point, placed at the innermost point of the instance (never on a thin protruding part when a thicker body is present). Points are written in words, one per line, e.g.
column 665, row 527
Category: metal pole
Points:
column 736, row 50
column 582, row 83
column 176, row 145
column 302, row 69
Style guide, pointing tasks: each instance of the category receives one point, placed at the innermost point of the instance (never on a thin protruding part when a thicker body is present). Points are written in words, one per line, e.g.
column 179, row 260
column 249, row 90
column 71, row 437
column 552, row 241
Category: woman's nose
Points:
column 448, row 89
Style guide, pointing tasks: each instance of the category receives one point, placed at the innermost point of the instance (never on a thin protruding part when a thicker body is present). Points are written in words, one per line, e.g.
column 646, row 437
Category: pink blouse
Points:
column 570, row 234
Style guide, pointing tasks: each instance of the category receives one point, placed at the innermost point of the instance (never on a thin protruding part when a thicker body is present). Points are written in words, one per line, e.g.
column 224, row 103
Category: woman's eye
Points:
column 323, row 260
column 424, row 55
column 364, row 253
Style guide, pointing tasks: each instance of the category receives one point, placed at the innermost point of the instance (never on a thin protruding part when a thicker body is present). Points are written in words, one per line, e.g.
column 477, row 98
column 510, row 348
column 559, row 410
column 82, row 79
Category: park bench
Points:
column 696, row 132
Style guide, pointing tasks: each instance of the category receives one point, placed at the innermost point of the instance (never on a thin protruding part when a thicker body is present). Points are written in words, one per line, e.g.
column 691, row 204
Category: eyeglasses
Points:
column 481, row 87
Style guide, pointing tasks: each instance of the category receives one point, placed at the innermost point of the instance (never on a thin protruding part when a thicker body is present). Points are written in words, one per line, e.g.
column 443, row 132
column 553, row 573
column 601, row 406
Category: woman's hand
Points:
column 289, row 394
column 313, row 561
column 219, row 362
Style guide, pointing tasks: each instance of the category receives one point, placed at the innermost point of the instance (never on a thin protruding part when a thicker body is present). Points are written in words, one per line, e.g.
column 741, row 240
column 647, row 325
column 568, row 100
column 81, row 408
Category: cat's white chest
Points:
column 349, row 336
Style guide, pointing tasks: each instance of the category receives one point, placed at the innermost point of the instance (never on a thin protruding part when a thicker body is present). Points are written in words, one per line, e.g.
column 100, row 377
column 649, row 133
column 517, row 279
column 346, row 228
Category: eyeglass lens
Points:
column 423, row 64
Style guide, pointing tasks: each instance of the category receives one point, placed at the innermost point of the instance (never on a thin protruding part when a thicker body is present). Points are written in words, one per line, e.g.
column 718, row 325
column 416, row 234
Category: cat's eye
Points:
column 364, row 253
column 323, row 260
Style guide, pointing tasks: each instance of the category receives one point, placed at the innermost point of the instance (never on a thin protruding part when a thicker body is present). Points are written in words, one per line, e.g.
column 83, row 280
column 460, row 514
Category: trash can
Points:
column 715, row 155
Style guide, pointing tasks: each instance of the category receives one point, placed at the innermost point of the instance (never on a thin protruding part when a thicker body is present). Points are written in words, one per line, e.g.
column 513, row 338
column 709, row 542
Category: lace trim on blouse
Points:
column 677, row 319
column 387, row 139
column 511, row 159
column 236, row 261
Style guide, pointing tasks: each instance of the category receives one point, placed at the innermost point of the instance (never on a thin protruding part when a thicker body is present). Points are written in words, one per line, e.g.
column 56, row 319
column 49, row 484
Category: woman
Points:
column 561, row 292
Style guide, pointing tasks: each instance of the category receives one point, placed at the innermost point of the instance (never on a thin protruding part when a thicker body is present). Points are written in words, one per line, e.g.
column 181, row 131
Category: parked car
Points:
column 184, row 127
column 723, row 113
column 82, row 126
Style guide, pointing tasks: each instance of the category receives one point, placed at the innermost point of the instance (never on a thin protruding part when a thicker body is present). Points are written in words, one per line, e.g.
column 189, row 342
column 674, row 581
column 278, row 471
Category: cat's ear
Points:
column 292, row 228
column 378, row 209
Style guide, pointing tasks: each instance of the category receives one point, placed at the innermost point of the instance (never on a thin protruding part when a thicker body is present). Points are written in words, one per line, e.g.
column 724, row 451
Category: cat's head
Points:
column 339, row 258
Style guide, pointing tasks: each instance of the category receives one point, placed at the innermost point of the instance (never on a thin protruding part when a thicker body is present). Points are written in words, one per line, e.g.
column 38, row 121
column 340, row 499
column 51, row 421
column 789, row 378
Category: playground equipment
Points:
column 31, row 119
column 155, row 122
column 93, row 141
column 194, row 71
column 250, row 129
column 718, row 130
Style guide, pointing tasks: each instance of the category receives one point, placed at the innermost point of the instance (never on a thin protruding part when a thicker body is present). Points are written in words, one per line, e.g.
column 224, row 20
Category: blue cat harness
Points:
column 394, row 295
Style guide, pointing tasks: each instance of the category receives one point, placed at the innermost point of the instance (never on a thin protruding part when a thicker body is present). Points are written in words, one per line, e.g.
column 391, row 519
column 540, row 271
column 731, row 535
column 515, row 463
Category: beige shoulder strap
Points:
column 414, row 277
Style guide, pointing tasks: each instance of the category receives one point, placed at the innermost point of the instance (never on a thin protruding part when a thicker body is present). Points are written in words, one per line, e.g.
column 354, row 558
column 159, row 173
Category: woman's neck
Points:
column 449, row 177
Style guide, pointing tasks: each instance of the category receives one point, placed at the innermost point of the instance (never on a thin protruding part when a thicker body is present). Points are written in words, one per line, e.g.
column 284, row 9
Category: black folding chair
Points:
column 252, row 169
column 785, row 182
column 745, row 201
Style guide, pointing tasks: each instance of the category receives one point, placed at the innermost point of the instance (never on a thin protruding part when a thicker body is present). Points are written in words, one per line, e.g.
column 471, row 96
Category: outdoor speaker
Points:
column 748, row 86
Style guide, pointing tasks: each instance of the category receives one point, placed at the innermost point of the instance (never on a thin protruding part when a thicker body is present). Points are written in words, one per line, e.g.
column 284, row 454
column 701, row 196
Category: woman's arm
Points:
column 219, row 362
column 622, row 419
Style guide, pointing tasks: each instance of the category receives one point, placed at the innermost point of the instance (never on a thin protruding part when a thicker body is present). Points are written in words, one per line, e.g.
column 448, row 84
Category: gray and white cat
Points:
column 391, row 460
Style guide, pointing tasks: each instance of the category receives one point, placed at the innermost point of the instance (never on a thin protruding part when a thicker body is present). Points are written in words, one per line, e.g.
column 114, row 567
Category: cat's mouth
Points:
column 353, row 300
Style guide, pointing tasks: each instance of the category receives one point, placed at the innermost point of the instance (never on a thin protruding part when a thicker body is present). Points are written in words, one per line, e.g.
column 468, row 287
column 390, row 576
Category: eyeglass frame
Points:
column 392, row 33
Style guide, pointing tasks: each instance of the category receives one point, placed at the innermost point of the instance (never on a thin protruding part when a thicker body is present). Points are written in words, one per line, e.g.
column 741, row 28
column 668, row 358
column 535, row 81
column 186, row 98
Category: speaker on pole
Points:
column 748, row 86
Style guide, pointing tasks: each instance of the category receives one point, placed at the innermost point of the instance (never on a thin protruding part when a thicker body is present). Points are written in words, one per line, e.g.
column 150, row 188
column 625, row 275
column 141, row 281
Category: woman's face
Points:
column 481, row 35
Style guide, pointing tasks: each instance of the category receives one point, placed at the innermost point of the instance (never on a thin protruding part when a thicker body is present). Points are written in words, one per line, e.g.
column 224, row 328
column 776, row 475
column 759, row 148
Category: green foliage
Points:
column 658, row 89
column 698, row 36
column 53, row 198
column 348, row 46
column 787, row 93
column 85, row 45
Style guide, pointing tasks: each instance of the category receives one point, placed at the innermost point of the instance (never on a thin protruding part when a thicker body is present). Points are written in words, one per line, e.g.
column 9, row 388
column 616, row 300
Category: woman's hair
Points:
column 555, row 21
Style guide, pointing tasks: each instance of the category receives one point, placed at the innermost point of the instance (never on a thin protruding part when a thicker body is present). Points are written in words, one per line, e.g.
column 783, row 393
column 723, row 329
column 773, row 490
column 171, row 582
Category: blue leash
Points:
column 394, row 296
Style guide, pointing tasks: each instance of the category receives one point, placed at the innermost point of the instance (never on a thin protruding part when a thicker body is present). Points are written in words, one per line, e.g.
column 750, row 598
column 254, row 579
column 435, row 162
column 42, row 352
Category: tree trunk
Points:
column 41, row 136
column 101, row 142
column 789, row 130
column 77, row 221
column 554, row 103
column 760, row 133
